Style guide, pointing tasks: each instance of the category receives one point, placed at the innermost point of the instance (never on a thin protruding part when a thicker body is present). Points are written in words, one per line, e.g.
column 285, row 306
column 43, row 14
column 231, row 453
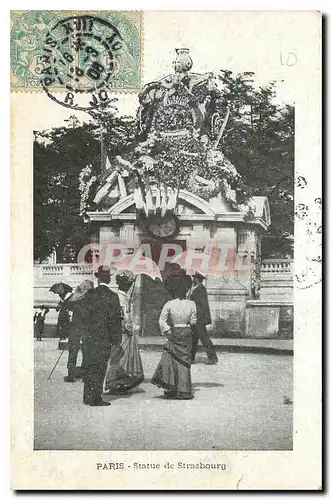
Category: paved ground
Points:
column 243, row 403
column 283, row 344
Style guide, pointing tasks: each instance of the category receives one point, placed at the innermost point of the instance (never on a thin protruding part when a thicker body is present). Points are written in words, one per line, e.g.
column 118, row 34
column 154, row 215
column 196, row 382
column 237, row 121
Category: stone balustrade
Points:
column 52, row 270
column 61, row 270
column 277, row 266
column 268, row 266
column 276, row 279
column 271, row 316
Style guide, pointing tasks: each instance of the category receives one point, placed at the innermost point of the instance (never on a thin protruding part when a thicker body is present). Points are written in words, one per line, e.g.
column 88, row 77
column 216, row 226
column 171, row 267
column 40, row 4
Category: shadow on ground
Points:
column 207, row 384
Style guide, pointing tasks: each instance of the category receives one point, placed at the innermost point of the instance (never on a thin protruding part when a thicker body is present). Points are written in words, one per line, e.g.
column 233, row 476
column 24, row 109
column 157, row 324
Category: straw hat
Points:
column 199, row 275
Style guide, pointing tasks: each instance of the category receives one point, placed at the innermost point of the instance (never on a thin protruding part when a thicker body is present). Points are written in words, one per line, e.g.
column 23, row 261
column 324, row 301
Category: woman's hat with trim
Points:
column 125, row 274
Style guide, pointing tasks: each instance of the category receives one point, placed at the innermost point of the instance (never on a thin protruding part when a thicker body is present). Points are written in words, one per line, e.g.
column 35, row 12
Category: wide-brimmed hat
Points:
column 103, row 272
column 81, row 290
column 199, row 275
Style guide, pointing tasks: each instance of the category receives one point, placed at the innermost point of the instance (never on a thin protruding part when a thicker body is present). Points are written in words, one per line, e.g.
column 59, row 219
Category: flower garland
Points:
column 173, row 118
column 174, row 160
column 86, row 180
column 178, row 161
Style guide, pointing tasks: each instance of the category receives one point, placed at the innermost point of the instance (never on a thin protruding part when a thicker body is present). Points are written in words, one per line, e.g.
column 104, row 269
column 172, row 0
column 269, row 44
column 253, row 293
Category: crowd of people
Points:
column 100, row 321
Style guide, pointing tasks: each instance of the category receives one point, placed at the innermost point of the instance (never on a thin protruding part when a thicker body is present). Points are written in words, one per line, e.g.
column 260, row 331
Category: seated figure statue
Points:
column 182, row 100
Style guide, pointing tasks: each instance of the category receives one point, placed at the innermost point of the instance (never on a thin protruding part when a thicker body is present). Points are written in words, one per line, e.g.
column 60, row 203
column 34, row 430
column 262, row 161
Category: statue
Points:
column 180, row 122
column 180, row 101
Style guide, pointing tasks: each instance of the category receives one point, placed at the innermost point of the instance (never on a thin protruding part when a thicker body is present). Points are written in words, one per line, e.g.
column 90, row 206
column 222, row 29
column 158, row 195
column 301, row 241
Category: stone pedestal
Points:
column 268, row 320
column 228, row 307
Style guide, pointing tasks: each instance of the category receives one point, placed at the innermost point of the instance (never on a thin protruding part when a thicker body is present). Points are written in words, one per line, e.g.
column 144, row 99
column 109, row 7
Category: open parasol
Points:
column 61, row 288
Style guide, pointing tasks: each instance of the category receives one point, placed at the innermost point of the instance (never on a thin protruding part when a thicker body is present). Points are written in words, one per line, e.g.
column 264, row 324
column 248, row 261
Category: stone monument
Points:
column 177, row 188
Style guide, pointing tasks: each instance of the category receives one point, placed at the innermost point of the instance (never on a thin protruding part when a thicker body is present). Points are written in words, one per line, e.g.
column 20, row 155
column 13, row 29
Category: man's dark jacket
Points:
column 79, row 326
column 199, row 296
column 105, row 318
column 104, row 332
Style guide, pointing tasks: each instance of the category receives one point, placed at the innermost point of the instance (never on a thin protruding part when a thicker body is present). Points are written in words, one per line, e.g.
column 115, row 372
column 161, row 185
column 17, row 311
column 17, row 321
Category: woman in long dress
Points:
column 125, row 369
column 176, row 319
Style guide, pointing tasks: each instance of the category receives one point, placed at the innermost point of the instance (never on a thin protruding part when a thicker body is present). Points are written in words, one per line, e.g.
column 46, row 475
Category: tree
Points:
column 259, row 141
column 59, row 157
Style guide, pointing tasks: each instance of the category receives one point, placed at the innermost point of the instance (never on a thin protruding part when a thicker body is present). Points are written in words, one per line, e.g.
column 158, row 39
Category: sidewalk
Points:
column 264, row 346
column 244, row 402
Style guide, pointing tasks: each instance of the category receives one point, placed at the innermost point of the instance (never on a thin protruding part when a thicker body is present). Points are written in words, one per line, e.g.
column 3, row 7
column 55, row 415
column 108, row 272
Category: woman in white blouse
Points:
column 175, row 322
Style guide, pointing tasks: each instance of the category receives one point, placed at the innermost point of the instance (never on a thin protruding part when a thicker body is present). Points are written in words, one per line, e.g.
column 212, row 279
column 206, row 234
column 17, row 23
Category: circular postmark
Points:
column 80, row 58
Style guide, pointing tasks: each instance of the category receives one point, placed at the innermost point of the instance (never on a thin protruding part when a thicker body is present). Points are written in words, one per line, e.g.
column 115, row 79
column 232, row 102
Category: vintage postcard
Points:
column 166, row 250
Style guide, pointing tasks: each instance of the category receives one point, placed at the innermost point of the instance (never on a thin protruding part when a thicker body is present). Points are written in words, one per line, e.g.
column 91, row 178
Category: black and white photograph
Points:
column 164, row 241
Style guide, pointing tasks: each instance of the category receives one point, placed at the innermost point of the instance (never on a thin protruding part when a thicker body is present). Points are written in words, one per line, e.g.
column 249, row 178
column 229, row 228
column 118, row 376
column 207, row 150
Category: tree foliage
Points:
column 59, row 157
column 258, row 140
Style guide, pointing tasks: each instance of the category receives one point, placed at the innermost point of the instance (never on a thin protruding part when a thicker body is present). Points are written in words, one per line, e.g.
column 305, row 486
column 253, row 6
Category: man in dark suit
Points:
column 105, row 332
column 63, row 324
column 78, row 303
column 198, row 294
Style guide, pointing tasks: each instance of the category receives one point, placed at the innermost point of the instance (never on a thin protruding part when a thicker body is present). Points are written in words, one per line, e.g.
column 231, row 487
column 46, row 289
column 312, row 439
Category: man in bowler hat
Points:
column 105, row 332
column 198, row 294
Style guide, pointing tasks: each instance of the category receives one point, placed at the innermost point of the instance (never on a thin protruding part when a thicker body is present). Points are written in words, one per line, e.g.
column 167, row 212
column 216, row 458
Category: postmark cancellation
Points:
column 80, row 54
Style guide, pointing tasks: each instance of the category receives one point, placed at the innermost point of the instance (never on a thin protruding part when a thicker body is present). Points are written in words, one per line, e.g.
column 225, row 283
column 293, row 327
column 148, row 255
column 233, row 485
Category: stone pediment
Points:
column 188, row 204
column 191, row 207
column 262, row 209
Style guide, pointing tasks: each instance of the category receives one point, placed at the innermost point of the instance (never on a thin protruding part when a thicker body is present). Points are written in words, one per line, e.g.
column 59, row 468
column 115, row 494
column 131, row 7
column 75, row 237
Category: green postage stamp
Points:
column 77, row 53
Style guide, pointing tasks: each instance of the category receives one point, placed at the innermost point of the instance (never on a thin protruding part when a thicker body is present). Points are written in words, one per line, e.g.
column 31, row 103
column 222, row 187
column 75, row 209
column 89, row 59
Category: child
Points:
column 39, row 319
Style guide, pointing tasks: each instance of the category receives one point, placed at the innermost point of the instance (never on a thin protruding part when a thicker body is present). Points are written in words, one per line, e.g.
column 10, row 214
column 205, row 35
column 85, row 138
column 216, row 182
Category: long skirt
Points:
column 173, row 371
column 124, row 368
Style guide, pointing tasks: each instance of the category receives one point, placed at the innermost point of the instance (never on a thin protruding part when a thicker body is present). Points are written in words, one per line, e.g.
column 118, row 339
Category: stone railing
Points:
column 51, row 270
column 277, row 266
column 59, row 271
column 276, row 284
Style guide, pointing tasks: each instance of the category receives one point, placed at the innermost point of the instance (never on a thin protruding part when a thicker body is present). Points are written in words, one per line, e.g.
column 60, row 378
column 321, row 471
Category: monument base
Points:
column 228, row 309
column 265, row 319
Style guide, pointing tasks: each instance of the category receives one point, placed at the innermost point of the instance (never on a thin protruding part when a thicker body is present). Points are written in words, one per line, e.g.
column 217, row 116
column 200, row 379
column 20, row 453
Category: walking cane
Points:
column 54, row 367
